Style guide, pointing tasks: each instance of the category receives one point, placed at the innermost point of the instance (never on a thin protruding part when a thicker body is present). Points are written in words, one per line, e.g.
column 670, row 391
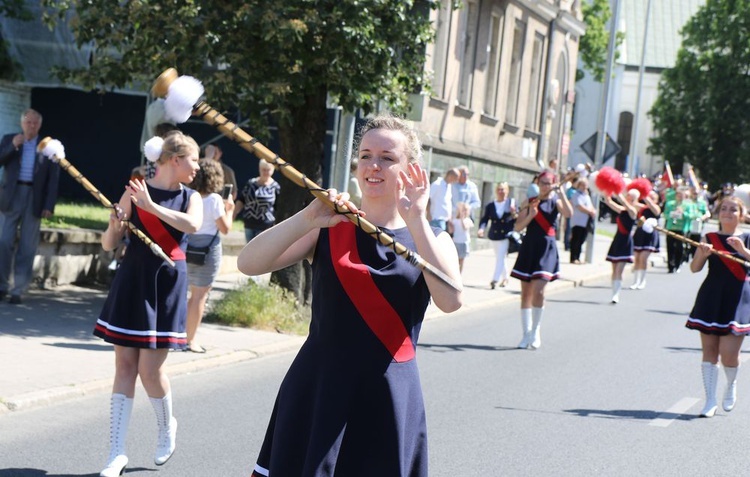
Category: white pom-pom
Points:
column 183, row 93
column 649, row 224
column 153, row 148
column 54, row 149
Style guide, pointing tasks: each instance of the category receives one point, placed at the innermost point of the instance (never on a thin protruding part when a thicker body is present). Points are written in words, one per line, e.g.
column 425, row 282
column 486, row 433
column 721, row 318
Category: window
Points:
column 440, row 54
column 535, row 93
column 514, row 80
column 468, row 55
column 494, row 47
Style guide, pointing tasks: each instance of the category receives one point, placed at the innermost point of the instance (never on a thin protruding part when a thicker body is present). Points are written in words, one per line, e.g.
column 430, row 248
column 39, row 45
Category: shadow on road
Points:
column 442, row 348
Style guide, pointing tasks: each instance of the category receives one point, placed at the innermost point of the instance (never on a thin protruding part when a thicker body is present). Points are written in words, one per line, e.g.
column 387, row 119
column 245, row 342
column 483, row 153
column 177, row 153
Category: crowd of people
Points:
column 366, row 300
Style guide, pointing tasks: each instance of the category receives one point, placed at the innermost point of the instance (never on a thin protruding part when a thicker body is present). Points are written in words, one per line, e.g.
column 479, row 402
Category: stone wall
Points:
column 76, row 256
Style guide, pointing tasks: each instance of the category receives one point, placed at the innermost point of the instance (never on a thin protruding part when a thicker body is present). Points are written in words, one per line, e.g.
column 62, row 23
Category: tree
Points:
column 286, row 57
column 10, row 69
column 593, row 45
column 701, row 112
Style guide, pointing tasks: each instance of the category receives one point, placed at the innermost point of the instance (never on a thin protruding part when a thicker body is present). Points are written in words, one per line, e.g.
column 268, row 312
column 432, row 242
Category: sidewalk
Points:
column 48, row 353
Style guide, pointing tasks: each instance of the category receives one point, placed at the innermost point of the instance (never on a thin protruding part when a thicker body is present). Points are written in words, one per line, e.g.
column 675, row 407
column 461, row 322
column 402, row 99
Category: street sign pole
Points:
column 602, row 122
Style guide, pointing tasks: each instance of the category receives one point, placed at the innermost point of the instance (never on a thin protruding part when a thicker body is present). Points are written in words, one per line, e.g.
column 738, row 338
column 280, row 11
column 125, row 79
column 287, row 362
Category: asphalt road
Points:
column 614, row 390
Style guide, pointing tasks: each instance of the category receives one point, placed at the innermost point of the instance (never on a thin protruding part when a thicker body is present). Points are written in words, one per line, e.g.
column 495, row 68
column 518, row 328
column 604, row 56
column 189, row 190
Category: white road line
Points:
column 667, row 417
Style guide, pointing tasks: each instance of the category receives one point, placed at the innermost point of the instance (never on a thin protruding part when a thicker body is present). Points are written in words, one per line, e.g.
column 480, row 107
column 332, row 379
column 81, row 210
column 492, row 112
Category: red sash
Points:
column 621, row 228
column 159, row 234
column 544, row 224
column 359, row 286
column 737, row 270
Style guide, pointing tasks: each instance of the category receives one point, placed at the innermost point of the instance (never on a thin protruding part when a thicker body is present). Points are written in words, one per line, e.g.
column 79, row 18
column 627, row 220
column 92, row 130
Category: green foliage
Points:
column 593, row 45
column 701, row 113
column 258, row 55
column 15, row 9
column 262, row 307
column 10, row 69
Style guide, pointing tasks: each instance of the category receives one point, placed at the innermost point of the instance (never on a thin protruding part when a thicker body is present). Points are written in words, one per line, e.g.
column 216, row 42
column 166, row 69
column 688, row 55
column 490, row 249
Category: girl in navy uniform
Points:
column 145, row 312
column 722, row 308
column 621, row 250
column 645, row 243
column 351, row 402
column 538, row 262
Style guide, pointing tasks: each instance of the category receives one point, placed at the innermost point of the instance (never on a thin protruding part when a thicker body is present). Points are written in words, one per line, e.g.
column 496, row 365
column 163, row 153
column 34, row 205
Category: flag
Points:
column 666, row 177
column 692, row 179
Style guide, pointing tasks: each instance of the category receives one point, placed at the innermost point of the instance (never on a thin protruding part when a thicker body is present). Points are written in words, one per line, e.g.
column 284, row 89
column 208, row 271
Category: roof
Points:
column 664, row 39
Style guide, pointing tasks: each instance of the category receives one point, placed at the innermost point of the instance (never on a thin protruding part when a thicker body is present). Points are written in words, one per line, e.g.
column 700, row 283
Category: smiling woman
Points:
column 362, row 415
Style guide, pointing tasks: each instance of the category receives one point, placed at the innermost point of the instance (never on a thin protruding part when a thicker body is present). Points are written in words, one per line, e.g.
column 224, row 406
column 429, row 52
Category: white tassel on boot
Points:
column 730, row 396
column 536, row 327
column 526, row 327
column 119, row 415
column 165, row 444
column 710, row 374
column 616, row 287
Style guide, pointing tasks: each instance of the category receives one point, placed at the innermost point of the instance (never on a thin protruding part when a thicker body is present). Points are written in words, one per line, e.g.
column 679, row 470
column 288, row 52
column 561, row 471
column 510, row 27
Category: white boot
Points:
column 536, row 325
column 119, row 415
column 636, row 279
column 730, row 396
column 642, row 282
column 165, row 444
column 710, row 373
column 526, row 327
column 616, row 287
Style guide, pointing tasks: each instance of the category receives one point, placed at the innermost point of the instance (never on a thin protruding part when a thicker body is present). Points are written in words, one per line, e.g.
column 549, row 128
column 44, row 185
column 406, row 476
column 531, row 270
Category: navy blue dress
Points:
column 147, row 302
column 643, row 240
column 538, row 257
column 351, row 403
column 723, row 302
column 621, row 249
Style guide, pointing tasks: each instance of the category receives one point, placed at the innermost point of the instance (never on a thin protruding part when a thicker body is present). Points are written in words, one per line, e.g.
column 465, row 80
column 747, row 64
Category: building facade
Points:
column 503, row 82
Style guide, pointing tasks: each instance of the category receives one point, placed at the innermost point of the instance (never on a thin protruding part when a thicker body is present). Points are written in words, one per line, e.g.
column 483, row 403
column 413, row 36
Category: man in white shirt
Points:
column 441, row 203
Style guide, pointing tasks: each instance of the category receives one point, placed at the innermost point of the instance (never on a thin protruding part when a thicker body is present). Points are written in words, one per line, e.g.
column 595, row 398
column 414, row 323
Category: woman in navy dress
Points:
column 351, row 402
column 621, row 250
column 722, row 308
column 645, row 243
column 145, row 312
column 538, row 262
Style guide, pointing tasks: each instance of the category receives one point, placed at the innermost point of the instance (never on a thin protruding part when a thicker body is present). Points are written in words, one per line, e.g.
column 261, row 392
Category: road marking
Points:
column 667, row 417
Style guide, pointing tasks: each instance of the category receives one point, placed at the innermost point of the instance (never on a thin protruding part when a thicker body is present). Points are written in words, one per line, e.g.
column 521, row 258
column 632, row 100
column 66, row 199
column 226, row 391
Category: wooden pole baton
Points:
column 252, row 145
column 687, row 240
column 81, row 179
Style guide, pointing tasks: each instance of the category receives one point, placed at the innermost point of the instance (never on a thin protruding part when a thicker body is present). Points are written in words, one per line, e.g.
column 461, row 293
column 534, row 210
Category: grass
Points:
column 74, row 215
column 262, row 307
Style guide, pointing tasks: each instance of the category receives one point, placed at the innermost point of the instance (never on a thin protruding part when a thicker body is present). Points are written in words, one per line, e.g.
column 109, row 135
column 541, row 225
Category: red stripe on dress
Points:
column 544, row 224
column 737, row 270
column 621, row 228
column 359, row 286
column 159, row 234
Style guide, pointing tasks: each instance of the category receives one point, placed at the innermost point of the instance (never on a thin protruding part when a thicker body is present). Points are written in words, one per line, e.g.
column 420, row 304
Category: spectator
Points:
column 464, row 190
column 256, row 202
column 678, row 213
column 28, row 192
column 460, row 228
column 217, row 217
column 501, row 216
column 441, row 203
column 583, row 213
column 213, row 152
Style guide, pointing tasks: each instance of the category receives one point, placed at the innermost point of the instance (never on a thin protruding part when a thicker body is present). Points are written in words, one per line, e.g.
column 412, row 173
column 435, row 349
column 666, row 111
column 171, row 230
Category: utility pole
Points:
column 632, row 154
column 603, row 115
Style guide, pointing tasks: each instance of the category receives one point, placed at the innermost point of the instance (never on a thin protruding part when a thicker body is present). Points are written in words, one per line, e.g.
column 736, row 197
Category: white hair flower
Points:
column 153, row 148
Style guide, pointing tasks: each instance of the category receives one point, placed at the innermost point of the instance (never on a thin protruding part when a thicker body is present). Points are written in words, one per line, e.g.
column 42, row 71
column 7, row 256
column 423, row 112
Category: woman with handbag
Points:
column 204, row 246
column 501, row 216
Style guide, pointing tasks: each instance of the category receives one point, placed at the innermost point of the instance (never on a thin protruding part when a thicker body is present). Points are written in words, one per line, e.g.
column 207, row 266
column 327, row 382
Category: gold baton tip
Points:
column 43, row 143
column 161, row 85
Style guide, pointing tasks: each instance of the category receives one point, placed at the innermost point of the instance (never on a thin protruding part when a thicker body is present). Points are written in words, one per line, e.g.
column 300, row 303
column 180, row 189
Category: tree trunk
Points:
column 302, row 138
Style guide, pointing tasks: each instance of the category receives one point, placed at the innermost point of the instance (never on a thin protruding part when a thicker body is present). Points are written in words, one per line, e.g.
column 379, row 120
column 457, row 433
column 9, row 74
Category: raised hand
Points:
column 416, row 192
